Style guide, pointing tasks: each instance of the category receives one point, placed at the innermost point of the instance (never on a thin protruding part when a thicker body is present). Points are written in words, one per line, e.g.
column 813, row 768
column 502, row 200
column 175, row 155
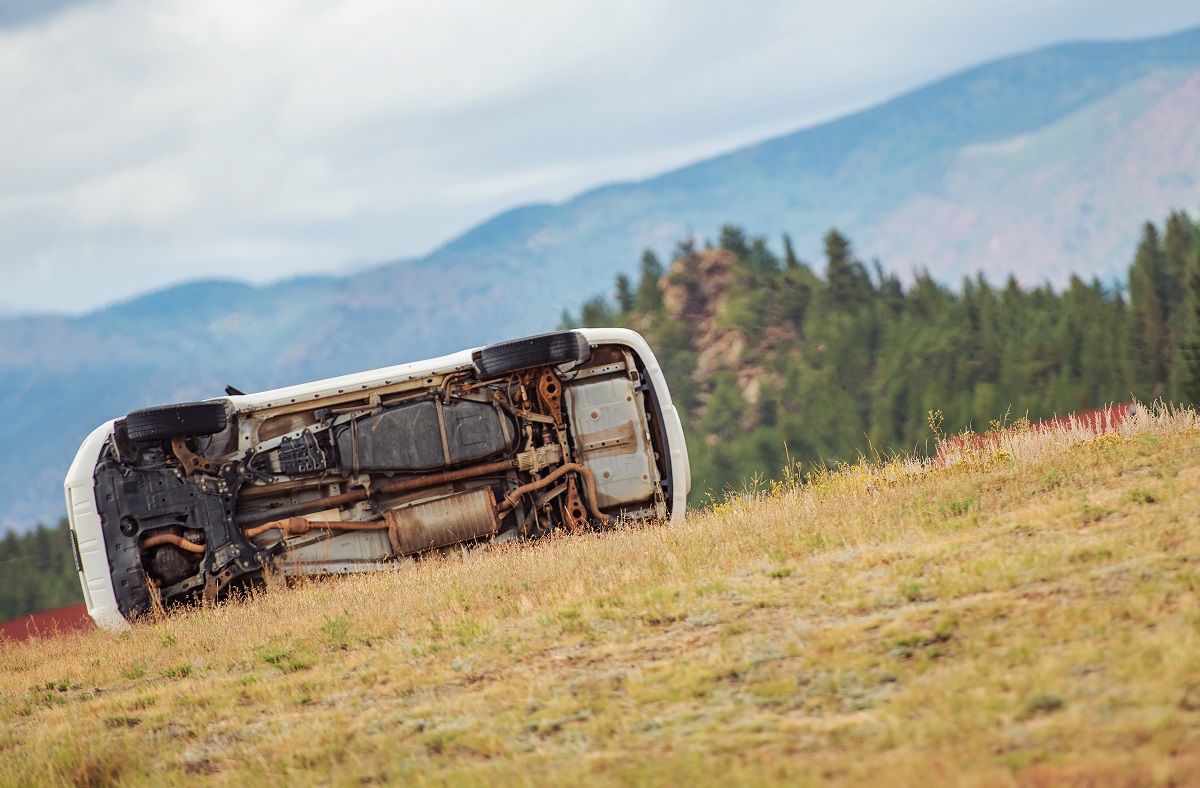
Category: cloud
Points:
column 153, row 142
column 15, row 13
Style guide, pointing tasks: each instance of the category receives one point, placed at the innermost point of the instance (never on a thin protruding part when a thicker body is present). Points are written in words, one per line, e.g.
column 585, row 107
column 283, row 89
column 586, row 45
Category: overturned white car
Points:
column 515, row 440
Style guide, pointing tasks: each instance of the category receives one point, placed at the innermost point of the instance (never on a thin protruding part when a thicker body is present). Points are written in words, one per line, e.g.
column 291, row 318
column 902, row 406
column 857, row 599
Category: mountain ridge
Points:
column 912, row 180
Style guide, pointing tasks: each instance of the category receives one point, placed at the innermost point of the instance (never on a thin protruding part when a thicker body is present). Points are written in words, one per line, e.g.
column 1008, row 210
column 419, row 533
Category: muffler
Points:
column 445, row 521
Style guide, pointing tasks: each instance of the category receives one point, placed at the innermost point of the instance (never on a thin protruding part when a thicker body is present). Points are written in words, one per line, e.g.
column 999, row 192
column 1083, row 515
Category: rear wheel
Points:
column 169, row 421
column 558, row 347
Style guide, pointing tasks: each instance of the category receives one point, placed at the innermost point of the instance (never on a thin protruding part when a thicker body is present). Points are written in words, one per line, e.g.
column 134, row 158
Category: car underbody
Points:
column 518, row 440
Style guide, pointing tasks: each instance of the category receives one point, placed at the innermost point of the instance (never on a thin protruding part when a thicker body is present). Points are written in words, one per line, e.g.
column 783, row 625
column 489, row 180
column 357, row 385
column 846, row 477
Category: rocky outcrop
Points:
column 696, row 292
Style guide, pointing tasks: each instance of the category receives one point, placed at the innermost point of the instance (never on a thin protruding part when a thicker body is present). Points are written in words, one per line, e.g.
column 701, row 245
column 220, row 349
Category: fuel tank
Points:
column 425, row 435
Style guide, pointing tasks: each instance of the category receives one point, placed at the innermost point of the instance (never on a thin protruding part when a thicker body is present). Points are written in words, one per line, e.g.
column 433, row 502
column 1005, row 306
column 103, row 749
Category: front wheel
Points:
column 170, row 421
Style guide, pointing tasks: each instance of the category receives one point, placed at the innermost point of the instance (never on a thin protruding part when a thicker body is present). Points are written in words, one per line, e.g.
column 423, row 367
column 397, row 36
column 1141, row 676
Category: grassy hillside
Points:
column 1027, row 613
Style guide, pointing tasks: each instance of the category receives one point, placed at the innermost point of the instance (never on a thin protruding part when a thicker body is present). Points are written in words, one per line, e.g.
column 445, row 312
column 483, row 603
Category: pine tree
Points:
column 1147, row 287
column 1179, row 238
column 790, row 261
column 596, row 311
column 733, row 239
column 649, row 294
column 1189, row 330
column 762, row 260
column 625, row 295
column 847, row 279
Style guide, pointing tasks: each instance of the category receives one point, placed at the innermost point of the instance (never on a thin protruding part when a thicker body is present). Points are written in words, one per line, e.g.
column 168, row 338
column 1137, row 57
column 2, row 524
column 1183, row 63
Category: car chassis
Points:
column 559, row 431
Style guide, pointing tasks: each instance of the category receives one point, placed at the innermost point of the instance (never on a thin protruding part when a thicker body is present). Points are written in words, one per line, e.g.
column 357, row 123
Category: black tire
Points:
column 169, row 421
column 557, row 347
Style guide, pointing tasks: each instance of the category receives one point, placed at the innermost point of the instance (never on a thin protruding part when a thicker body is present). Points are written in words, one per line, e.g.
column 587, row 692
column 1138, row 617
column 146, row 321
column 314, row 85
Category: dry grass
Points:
column 1025, row 615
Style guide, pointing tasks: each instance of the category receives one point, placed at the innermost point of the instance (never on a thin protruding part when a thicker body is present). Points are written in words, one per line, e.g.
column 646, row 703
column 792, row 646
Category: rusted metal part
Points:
column 612, row 442
column 573, row 506
column 267, row 428
column 506, row 427
column 522, row 381
column 263, row 490
column 403, row 485
column 519, row 413
column 440, row 409
column 178, row 541
column 511, row 498
column 192, row 462
column 590, row 481
column 540, row 457
column 454, row 378
column 435, row 479
column 297, row 526
column 549, row 389
column 214, row 584
column 442, row 522
column 302, row 508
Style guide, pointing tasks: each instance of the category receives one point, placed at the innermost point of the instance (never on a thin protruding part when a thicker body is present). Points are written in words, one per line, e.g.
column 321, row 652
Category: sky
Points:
column 150, row 142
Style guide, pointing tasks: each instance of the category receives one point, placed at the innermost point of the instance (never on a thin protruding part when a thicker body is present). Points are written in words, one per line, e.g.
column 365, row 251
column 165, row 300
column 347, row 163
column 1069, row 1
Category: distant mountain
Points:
column 1038, row 164
column 1033, row 164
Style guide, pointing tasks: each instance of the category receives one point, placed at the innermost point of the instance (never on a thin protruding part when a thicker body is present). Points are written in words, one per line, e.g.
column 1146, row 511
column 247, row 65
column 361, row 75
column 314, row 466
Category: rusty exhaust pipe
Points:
column 510, row 499
column 404, row 485
column 178, row 541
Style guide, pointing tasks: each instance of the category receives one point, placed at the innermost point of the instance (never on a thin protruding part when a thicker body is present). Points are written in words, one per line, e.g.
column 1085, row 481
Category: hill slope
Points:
column 1039, row 164
column 1026, row 613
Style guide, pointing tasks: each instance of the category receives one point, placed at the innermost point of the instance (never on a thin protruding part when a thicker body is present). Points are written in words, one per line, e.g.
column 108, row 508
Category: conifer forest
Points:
column 774, row 361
